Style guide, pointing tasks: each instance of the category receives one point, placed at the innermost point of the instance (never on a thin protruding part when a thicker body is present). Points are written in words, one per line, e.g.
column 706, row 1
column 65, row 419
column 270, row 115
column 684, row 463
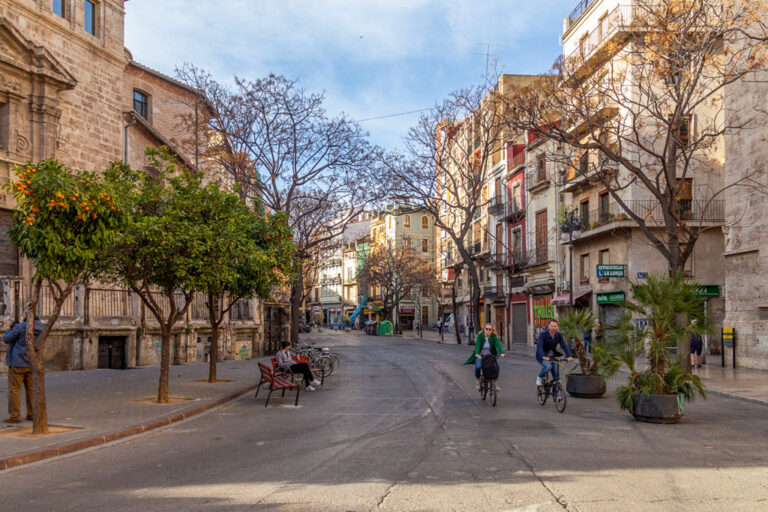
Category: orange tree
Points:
column 161, row 253
column 246, row 254
column 66, row 221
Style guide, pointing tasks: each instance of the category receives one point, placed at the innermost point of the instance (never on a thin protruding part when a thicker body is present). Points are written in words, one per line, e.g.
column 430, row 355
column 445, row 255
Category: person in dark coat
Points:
column 697, row 346
column 19, row 371
column 546, row 348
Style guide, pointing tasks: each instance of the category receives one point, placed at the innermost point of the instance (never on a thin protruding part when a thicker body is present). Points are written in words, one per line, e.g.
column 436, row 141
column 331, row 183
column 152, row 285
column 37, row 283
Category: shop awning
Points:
column 565, row 300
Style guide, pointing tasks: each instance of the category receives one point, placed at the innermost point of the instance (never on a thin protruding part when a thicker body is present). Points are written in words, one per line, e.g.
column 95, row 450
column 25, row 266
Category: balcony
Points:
column 513, row 211
column 536, row 180
column 517, row 160
column 517, row 281
column 540, row 255
column 493, row 292
column 496, row 206
column 617, row 21
column 604, row 219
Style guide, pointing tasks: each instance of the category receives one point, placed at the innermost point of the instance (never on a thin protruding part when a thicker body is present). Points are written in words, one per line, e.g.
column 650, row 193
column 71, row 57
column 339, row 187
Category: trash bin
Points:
column 386, row 328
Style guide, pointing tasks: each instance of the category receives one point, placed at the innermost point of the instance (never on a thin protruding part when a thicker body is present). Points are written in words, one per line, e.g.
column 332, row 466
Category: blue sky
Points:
column 372, row 57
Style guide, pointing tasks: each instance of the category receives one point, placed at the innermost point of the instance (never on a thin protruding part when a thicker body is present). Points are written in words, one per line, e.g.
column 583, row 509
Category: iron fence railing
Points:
column 199, row 307
column 46, row 303
column 651, row 211
column 109, row 303
column 496, row 205
column 620, row 16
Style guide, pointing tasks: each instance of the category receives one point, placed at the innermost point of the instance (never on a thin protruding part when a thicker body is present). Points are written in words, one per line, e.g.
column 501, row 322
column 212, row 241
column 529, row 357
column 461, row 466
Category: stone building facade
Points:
column 68, row 90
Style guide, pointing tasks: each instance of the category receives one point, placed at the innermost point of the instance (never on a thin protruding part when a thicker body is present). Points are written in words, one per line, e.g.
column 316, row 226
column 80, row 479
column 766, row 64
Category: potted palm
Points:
column 574, row 323
column 656, row 319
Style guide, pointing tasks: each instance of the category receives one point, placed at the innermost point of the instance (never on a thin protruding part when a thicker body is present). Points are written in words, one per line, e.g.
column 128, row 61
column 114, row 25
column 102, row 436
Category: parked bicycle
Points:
column 551, row 386
column 320, row 357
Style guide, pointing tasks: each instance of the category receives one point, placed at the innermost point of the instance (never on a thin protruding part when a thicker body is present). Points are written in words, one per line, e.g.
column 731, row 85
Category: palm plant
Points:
column 668, row 304
column 573, row 324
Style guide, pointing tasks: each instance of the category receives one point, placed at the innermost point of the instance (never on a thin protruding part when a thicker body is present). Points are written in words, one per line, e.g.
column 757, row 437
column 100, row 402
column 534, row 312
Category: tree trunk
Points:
column 297, row 291
column 39, row 405
column 455, row 318
column 165, row 363
column 213, row 356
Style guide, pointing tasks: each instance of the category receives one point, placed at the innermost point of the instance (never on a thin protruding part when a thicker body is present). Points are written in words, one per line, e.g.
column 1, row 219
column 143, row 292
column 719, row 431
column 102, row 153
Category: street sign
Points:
column 709, row 290
column 618, row 271
column 616, row 297
column 642, row 275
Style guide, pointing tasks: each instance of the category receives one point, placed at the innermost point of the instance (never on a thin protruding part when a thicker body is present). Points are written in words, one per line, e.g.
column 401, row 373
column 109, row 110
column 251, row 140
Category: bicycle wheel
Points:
column 483, row 387
column 336, row 363
column 493, row 394
column 325, row 364
column 558, row 396
column 541, row 394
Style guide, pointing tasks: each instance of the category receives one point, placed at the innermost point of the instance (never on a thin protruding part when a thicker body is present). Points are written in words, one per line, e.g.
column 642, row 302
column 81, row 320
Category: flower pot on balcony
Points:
column 585, row 386
column 658, row 408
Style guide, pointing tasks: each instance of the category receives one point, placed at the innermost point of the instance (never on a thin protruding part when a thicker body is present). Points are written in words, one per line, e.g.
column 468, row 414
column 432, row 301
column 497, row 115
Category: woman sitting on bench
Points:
column 286, row 364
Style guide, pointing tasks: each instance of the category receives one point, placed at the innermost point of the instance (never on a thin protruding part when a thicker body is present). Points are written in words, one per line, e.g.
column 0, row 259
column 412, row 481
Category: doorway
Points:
column 520, row 323
column 112, row 352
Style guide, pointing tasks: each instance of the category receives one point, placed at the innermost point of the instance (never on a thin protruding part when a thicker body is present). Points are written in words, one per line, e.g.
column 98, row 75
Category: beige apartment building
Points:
column 608, row 248
column 70, row 90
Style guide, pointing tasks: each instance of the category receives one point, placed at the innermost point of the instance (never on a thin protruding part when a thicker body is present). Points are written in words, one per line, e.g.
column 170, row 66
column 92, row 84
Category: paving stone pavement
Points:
column 103, row 403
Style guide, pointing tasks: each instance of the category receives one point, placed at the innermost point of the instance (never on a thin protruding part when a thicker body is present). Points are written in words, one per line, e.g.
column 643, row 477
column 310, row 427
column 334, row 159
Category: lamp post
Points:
column 571, row 230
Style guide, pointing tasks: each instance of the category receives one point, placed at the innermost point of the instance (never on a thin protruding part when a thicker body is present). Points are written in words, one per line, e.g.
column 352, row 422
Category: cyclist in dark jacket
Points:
column 546, row 347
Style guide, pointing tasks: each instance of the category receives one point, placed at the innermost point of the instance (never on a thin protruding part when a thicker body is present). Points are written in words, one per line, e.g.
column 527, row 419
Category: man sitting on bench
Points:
column 286, row 364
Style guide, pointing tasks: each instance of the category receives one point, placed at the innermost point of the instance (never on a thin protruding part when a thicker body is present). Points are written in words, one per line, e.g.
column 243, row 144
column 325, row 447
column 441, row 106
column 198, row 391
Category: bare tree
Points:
column 277, row 142
column 398, row 272
column 445, row 165
column 639, row 104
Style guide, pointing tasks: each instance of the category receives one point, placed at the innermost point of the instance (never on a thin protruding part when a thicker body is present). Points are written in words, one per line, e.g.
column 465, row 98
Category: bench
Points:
column 298, row 359
column 275, row 383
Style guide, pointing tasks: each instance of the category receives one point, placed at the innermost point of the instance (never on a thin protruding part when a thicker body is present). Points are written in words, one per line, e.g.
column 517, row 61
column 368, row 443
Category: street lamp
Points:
column 570, row 231
column 470, row 320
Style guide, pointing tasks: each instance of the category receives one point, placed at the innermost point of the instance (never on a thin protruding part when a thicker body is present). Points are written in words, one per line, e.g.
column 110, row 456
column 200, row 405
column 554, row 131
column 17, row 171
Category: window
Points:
column 685, row 197
column 684, row 132
column 59, row 8
column 604, row 257
column 425, row 245
column 141, row 103
column 424, row 222
column 541, row 168
column 407, row 221
column 516, row 196
column 584, row 213
column 89, row 16
column 584, row 268
column 604, row 207
column 584, row 163
column 407, row 243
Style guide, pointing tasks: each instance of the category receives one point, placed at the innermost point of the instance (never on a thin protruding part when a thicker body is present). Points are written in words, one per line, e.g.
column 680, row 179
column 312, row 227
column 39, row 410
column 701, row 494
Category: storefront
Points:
column 609, row 306
column 407, row 315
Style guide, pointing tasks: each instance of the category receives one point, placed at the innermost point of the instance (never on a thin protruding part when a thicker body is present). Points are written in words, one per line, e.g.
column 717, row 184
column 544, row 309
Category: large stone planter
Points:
column 658, row 408
column 585, row 386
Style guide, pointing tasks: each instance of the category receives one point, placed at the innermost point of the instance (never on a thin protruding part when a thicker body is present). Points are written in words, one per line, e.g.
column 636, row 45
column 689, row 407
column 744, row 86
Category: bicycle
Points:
column 487, row 386
column 552, row 386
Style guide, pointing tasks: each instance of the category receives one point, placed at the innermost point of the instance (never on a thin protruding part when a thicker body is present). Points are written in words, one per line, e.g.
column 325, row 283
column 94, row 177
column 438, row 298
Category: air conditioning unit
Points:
column 564, row 285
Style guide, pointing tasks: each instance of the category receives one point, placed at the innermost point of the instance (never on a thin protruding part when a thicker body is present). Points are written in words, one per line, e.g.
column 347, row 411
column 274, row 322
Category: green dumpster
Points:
column 386, row 328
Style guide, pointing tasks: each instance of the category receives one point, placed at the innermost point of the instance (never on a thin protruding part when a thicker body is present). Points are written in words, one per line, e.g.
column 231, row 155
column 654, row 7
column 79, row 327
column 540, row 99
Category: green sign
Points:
column 546, row 311
column 709, row 290
column 610, row 297
column 611, row 270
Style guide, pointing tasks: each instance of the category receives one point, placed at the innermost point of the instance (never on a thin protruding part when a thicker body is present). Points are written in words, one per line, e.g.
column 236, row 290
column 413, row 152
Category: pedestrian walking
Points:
column 19, row 372
column 697, row 345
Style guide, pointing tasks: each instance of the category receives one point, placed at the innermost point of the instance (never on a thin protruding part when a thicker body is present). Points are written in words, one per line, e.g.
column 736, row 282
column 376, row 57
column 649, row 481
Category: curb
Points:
column 27, row 458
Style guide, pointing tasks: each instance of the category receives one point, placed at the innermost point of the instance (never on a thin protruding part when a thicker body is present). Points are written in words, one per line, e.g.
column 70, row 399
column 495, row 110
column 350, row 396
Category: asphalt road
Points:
column 400, row 427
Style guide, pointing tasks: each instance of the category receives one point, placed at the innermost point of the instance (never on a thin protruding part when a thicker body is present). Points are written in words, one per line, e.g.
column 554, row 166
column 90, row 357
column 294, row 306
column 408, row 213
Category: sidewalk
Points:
column 102, row 405
column 740, row 383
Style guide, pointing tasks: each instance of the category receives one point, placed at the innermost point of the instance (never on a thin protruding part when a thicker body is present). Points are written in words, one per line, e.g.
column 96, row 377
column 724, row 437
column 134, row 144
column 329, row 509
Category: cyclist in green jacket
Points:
column 487, row 342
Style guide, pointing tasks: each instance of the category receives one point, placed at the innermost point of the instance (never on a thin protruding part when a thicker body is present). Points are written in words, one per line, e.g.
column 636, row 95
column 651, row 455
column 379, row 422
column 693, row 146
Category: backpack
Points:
column 490, row 367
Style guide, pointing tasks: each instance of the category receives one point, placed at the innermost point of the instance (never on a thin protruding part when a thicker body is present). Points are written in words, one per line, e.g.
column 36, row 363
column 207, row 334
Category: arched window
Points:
column 407, row 221
column 424, row 222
